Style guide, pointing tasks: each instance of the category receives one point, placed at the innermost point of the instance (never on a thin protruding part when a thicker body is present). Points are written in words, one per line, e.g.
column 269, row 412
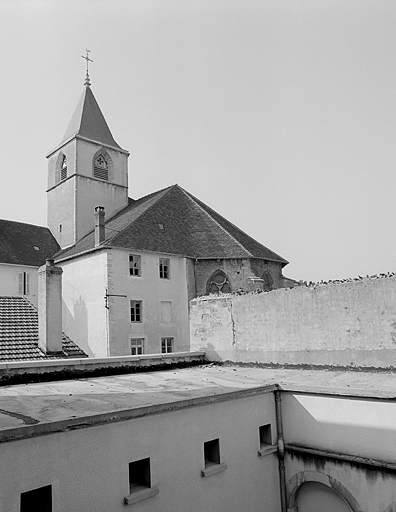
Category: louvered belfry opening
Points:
column 63, row 172
column 101, row 168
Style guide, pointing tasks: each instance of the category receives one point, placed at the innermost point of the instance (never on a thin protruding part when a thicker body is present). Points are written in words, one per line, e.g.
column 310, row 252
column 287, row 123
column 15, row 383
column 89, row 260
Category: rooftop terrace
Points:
column 39, row 408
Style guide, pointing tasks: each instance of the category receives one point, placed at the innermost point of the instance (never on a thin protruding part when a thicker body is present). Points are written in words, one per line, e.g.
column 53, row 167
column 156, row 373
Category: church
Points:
column 131, row 266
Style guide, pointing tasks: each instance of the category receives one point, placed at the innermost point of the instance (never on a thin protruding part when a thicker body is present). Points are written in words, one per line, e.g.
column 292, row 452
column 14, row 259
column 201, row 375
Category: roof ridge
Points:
column 24, row 223
column 197, row 201
column 214, row 220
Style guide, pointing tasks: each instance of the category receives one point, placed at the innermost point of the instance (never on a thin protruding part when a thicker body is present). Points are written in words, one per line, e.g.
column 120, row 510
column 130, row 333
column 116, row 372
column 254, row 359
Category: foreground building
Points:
column 210, row 438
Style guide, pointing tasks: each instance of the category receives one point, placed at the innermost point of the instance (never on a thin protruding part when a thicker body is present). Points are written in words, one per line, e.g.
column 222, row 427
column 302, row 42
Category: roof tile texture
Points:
column 25, row 244
column 89, row 122
column 19, row 333
column 175, row 222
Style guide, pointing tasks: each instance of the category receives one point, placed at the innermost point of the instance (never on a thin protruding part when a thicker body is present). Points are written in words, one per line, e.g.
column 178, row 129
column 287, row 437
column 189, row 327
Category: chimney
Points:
column 50, row 308
column 99, row 225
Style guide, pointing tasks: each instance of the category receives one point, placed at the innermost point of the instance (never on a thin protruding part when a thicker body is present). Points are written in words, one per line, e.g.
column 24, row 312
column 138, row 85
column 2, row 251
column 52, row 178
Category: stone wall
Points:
column 344, row 324
column 238, row 271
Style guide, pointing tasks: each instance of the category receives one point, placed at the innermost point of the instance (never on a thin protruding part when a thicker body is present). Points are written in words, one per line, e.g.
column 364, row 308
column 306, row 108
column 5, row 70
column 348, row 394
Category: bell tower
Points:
column 88, row 168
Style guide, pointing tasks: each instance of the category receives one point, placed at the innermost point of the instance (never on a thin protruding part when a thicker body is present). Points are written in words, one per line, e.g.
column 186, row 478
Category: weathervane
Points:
column 87, row 82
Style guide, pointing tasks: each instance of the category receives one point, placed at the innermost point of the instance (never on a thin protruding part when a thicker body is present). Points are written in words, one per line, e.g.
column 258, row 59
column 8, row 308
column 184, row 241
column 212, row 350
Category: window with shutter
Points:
column 63, row 173
column 101, row 168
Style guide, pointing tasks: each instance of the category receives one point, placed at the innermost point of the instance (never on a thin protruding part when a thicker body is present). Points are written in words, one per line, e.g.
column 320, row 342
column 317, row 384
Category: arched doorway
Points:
column 315, row 496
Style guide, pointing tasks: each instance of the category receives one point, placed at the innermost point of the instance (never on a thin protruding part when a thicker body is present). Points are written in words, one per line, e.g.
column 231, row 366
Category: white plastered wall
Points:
column 84, row 316
column 151, row 290
column 71, row 202
column 88, row 468
column 356, row 427
column 9, row 281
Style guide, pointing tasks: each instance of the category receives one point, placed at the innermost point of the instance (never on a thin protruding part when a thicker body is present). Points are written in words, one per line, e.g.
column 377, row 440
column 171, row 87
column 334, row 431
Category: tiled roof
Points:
column 25, row 244
column 89, row 122
column 175, row 222
column 19, row 333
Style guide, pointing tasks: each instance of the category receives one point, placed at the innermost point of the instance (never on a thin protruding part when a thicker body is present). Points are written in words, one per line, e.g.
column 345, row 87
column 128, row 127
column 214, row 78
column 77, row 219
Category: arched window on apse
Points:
column 101, row 168
column 218, row 283
column 63, row 171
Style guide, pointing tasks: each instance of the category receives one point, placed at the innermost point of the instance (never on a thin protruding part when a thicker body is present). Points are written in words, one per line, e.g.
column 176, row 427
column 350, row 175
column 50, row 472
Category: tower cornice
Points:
column 86, row 139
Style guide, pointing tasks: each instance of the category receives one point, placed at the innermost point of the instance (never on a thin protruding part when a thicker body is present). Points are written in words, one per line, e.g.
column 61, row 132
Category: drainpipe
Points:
column 281, row 451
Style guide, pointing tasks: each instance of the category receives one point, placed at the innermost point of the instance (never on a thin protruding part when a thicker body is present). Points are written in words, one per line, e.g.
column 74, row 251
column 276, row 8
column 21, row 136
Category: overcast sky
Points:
column 280, row 115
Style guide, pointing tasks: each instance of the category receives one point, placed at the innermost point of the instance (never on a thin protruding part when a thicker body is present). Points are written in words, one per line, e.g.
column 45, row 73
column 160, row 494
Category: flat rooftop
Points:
column 34, row 409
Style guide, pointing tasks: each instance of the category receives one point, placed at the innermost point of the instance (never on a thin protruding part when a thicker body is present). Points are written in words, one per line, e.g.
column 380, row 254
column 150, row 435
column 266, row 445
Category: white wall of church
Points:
column 61, row 218
column 93, row 192
column 9, row 281
column 158, row 319
column 88, row 467
column 71, row 201
column 84, row 316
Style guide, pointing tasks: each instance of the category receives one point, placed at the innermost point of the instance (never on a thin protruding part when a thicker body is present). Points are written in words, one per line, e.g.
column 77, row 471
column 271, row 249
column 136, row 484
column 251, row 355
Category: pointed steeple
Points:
column 88, row 121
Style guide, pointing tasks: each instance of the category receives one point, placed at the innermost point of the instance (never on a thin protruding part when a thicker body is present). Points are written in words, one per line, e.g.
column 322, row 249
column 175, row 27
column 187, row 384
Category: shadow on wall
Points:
column 310, row 491
column 357, row 427
column 75, row 325
column 211, row 354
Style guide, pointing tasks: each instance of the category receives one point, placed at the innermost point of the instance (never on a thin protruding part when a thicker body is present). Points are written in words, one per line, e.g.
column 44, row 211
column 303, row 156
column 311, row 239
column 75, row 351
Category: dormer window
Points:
column 63, row 173
column 101, row 168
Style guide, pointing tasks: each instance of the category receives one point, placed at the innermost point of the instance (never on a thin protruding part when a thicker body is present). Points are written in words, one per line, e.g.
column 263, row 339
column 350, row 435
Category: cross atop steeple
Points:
column 87, row 82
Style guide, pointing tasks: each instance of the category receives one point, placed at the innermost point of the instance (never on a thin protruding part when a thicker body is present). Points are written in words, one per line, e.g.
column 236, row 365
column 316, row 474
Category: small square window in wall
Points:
column 164, row 268
column 134, row 265
column 212, row 458
column 136, row 310
column 140, row 482
column 167, row 345
column 265, row 438
column 37, row 499
column 137, row 346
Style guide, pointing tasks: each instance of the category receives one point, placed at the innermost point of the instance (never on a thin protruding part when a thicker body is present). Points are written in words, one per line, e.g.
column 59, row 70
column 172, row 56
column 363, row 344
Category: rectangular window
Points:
column 137, row 346
column 212, row 452
column 134, row 265
column 37, row 499
column 164, row 268
column 23, row 283
column 166, row 312
column 166, row 345
column 265, row 435
column 265, row 440
column 136, row 310
column 212, row 464
column 140, row 482
column 139, row 475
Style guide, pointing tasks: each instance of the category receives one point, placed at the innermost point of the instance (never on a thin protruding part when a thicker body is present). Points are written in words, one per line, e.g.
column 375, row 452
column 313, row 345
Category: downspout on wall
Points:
column 281, row 452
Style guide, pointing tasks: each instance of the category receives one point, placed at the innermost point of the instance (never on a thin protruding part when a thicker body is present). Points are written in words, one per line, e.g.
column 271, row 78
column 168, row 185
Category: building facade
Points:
column 23, row 249
column 223, row 439
column 130, row 267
